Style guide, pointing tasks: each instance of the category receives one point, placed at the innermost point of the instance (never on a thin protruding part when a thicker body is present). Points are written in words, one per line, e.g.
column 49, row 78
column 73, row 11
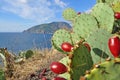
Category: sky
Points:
column 19, row 15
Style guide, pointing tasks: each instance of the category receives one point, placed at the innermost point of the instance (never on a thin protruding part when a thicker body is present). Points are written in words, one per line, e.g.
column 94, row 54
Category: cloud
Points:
column 60, row 3
column 23, row 1
column 36, row 10
column 88, row 11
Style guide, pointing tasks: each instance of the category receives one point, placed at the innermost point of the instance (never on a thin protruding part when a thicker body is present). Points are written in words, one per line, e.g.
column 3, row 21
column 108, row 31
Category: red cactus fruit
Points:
column 114, row 45
column 67, row 47
column 58, row 68
column 78, row 13
column 117, row 15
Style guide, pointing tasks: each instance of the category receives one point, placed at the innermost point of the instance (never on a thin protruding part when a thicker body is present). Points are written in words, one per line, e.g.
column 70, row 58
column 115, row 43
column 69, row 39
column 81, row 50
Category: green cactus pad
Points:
column 75, row 37
column 59, row 37
column 110, row 2
column 69, row 14
column 105, row 1
column 98, row 41
column 65, row 75
column 115, row 1
column 108, row 70
column 116, row 7
column 81, row 62
column 100, row 1
column 29, row 53
column 84, row 25
column 104, row 15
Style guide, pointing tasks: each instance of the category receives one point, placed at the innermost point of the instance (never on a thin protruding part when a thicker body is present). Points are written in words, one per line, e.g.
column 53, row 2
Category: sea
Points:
column 16, row 42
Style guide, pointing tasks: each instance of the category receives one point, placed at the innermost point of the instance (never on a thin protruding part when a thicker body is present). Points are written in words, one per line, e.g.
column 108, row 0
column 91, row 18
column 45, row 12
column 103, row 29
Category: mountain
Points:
column 48, row 27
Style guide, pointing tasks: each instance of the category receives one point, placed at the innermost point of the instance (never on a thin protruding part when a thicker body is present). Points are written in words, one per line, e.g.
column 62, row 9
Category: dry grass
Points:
column 40, row 60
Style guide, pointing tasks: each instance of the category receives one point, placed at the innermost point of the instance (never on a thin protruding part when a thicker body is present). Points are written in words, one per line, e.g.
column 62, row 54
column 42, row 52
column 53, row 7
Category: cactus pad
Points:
column 84, row 25
column 29, row 54
column 104, row 15
column 99, row 44
column 59, row 37
column 69, row 14
column 112, row 1
column 108, row 1
column 108, row 70
column 116, row 7
column 81, row 62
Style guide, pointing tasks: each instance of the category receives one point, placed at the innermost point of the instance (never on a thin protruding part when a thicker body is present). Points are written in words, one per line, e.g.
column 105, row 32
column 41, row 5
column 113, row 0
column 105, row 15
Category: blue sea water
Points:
column 16, row 42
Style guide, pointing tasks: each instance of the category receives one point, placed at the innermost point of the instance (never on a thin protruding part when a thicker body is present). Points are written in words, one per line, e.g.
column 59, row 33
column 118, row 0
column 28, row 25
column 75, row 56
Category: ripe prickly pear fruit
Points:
column 67, row 47
column 117, row 15
column 58, row 68
column 114, row 45
column 78, row 13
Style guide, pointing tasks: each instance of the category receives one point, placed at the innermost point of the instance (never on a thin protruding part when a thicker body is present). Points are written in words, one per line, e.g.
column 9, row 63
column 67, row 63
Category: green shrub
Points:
column 29, row 54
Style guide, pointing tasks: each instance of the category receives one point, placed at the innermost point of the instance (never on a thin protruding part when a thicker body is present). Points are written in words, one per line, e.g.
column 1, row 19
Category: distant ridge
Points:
column 48, row 27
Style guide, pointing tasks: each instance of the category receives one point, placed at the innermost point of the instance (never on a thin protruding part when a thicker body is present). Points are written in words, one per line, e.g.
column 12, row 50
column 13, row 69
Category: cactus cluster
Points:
column 27, row 54
column 94, row 28
column 23, row 56
column 8, row 61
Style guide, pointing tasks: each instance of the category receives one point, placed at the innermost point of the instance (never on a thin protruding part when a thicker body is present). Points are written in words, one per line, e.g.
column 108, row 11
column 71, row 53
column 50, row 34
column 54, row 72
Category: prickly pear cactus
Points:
column 108, row 70
column 77, row 65
column 95, row 28
column 8, row 61
column 77, row 62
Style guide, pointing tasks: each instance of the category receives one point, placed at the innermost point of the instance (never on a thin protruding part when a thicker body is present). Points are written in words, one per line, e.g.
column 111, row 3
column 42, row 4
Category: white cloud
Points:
column 88, row 11
column 23, row 1
column 36, row 10
column 60, row 3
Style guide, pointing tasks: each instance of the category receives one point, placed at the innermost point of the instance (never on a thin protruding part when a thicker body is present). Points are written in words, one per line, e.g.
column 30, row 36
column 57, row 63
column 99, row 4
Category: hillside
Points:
column 48, row 27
